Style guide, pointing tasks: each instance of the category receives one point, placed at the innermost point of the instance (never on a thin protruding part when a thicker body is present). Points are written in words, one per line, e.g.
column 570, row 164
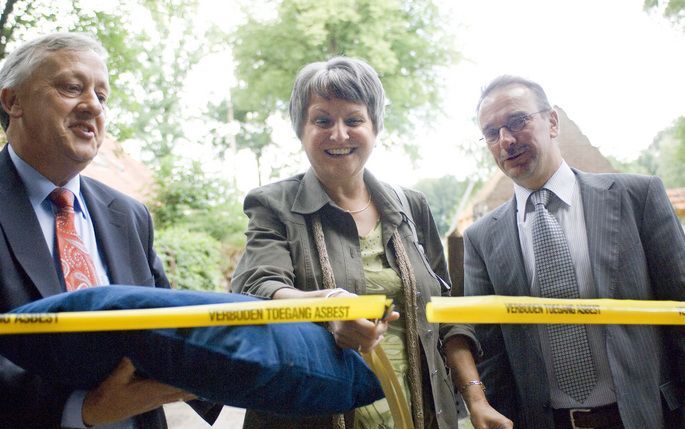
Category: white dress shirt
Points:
column 567, row 208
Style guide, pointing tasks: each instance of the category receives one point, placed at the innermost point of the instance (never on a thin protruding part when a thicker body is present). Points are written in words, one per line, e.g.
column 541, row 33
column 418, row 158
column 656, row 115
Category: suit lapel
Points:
column 507, row 253
column 523, row 340
column 23, row 232
column 111, row 232
column 602, row 209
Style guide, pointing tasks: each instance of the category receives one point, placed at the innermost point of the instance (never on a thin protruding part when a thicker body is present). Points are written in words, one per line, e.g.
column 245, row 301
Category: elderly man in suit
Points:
column 570, row 234
column 54, row 94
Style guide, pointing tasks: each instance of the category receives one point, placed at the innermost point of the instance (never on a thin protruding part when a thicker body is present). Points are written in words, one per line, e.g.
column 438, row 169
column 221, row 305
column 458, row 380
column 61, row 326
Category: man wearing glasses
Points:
column 570, row 234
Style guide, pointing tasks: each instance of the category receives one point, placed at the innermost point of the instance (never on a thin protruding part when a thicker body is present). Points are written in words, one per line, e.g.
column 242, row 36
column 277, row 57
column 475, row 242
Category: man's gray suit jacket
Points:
column 637, row 251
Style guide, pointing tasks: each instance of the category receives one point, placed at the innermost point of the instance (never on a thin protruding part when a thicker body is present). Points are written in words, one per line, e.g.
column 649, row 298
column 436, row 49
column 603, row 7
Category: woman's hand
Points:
column 483, row 416
column 359, row 334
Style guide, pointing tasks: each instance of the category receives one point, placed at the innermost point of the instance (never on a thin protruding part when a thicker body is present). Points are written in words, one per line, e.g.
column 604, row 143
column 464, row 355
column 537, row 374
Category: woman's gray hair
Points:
column 23, row 61
column 349, row 79
column 507, row 80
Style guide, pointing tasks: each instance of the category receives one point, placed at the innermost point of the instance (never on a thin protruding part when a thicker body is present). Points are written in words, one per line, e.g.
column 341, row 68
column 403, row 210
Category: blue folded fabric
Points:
column 293, row 368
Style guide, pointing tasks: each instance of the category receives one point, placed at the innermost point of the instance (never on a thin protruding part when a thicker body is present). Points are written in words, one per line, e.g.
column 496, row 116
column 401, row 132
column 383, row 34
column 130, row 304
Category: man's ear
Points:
column 10, row 102
column 553, row 123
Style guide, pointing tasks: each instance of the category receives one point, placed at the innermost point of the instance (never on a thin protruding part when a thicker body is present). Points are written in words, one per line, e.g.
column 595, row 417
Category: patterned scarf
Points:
column 410, row 312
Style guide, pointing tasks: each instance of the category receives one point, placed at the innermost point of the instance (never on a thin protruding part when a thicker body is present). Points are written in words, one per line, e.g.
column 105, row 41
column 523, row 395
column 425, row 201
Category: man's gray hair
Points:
column 349, row 79
column 507, row 80
column 23, row 61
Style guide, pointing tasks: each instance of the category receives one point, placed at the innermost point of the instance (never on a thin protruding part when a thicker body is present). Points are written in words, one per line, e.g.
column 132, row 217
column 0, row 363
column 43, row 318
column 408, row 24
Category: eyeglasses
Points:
column 514, row 125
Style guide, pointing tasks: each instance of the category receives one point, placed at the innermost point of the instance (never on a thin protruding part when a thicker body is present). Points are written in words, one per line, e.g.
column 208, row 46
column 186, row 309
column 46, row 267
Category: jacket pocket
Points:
column 673, row 393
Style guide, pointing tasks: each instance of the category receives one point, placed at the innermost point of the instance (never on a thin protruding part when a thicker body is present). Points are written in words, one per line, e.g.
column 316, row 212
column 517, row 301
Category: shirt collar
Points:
column 562, row 183
column 311, row 197
column 39, row 187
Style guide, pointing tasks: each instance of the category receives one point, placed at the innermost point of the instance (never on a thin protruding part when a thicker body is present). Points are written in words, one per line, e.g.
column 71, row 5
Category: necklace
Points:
column 368, row 203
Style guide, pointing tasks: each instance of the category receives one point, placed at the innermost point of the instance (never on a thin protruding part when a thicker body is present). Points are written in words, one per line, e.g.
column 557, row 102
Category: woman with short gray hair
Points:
column 338, row 231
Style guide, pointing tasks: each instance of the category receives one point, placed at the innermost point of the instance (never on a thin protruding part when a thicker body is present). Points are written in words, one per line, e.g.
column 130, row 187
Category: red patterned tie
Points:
column 77, row 267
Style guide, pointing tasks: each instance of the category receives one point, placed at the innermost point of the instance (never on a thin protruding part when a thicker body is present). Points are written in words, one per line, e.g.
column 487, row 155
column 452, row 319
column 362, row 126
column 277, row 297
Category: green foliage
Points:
column 26, row 19
column 671, row 154
column 192, row 260
column 665, row 157
column 644, row 164
column 672, row 9
column 201, row 226
column 186, row 196
column 172, row 44
column 254, row 133
column 678, row 130
column 443, row 195
column 148, row 64
column 20, row 19
column 124, row 50
column 407, row 42
column 148, row 68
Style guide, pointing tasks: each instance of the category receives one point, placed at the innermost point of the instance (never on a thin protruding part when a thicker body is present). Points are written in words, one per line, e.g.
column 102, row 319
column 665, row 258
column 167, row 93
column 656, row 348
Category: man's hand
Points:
column 122, row 395
column 483, row 416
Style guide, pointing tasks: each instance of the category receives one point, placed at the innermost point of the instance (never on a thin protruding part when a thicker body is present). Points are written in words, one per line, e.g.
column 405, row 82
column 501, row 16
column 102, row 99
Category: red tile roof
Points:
column 677, row 197
column 116, row 168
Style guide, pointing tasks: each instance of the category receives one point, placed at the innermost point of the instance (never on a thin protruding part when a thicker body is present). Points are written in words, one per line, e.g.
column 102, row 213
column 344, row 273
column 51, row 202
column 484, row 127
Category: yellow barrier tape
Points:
column 238, row 313
column 524, row 309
